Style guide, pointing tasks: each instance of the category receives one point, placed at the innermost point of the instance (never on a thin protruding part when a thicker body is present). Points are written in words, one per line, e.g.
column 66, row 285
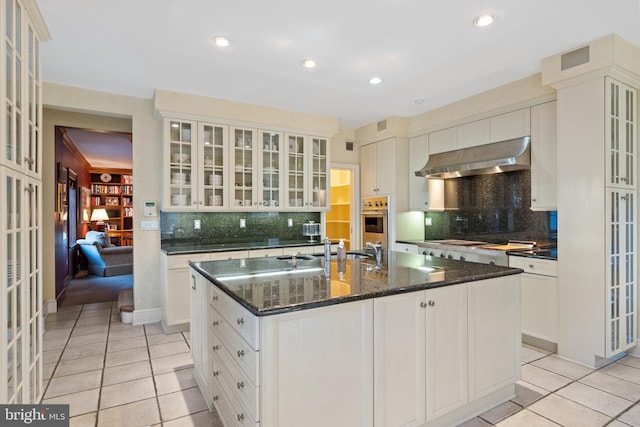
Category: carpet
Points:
column 91, row 289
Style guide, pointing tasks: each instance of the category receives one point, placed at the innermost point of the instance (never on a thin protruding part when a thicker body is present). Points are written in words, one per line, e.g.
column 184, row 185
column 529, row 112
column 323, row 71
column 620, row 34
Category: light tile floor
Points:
column 115, row 374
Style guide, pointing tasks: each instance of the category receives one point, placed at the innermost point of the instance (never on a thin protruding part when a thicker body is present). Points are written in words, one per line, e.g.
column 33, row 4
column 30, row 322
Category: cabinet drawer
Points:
column 241, row 352
column 236, row 392
column 182, row 261
column 243, row 322
column 221, row 403
column 545, row 267
column 241, row 385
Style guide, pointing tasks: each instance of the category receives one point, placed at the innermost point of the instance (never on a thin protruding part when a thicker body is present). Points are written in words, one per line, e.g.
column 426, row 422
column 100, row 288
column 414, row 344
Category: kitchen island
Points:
column 419, row 341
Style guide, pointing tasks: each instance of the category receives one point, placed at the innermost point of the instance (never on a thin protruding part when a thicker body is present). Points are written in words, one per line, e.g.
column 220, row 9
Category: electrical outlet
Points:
column 243, row 223
column 427, row 221
column 290, row 222
column 196, row 224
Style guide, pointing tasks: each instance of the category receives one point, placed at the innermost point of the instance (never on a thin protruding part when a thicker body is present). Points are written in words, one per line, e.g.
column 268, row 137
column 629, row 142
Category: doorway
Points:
column 342, row 219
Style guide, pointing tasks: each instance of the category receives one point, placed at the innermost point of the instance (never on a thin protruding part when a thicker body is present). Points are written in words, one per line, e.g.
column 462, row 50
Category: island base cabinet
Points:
column 494, row 334
column 317, row 365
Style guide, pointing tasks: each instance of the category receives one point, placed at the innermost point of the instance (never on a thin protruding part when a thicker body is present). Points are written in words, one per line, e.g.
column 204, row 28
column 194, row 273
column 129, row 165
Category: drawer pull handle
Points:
column 240, row 353
column 432, row 303
column 240, row 417
column 216, row 373
column 215, row 323
column 531, row 265
column 214, row 298
column 423, row 304
column 215, row 348
column 240, row 385
column 215, row 398
column 240, row 321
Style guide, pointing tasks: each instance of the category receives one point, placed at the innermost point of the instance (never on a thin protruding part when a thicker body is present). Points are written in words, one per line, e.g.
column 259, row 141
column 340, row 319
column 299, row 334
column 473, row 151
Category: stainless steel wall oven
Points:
column 375, row 221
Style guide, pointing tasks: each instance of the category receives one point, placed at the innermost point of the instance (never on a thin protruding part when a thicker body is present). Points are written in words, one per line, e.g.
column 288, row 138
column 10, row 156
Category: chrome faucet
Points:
column 377, row 246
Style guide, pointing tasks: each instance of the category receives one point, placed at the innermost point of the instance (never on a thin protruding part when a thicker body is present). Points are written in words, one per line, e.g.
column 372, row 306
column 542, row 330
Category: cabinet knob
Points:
column 240, row 385
column 531, row 266
column 240, row 353
column 240, row 321
column 432, row 303
column 423, row 304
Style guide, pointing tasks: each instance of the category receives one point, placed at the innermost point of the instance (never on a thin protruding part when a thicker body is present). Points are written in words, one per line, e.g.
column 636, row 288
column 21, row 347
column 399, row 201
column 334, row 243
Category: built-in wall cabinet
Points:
column 383, row 168
column 597, row 201
column 214, row 167
column 21, row 30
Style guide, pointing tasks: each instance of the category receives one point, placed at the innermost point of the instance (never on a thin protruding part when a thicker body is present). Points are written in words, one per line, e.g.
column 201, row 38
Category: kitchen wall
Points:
column 224, row 227
column 493, row 208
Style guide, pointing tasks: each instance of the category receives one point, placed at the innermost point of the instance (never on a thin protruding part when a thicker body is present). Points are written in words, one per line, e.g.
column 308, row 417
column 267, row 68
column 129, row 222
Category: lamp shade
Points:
column 99, row 215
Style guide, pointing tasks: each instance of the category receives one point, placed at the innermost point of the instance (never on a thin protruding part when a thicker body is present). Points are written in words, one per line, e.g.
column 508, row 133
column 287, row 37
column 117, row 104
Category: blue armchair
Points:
column 105, row 259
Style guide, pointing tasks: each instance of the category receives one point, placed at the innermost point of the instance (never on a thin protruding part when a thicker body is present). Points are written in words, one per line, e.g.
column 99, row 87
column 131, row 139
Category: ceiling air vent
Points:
column 349, row 146
column 382, row 125
column 574, row 58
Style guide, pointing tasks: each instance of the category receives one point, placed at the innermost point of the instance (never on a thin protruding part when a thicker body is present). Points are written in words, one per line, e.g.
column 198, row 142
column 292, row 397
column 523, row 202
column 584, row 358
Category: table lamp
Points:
column 100, row 216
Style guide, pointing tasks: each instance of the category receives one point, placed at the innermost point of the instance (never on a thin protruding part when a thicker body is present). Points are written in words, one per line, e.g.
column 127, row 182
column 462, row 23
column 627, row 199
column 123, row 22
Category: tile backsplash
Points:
column 492, row 208
column 224, row 227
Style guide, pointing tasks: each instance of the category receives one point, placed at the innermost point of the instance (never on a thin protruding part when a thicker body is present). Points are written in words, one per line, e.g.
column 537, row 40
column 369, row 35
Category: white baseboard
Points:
column 153, row 315
column 49, row 307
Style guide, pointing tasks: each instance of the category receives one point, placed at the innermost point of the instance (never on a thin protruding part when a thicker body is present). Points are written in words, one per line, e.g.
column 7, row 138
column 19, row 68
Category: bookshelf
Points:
column 338, row 218
column 114, row 193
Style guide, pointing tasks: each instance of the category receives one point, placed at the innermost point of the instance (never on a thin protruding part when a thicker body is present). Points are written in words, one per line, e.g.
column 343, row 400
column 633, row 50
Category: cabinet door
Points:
column 295, row 179
column 180, row 154
column 270, row 168
column 243, row 168
column 442, row 140
column 540, row 307
column 473, row 134
column 514, row 124
column 368, row 170
column 446, row 350
column 399, row 365
column 212, row 162
column 418, row 185
column 620, row 134
column 327, row 353
column 33, row 139
column 494, row 335
column 177, row 303
column 386, row 166
column 319, row 173
column 544, row 157
column 622, row 277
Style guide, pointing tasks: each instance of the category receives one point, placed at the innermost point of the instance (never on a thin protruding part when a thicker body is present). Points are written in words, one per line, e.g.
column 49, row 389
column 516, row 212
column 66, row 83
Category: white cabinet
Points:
column 199, row 327
column 326, row 355
column 442, row 140
column 621, row 134
column 195, row 165
column 270, row 165
column 21, row 358
column 458, row 344
column 514, row 124
column 383, row 167
column 307, row 173
column 244, row 168
column 406, row 247
column 473, row 134
column 544, row 157
column 494, row 333
column 539, row 301
column 425, row 194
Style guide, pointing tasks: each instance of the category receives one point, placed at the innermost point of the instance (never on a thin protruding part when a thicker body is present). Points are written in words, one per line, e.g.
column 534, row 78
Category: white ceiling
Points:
column 422, row 49
column 103, row 150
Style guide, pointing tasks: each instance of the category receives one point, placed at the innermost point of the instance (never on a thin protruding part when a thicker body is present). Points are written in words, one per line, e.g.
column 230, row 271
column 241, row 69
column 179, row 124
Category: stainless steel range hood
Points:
column 510, row 155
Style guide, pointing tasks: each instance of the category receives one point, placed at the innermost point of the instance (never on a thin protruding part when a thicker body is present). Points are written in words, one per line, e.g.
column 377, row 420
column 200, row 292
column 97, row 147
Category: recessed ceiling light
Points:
column 484, row 20
column 375, row 80
column 309, row 63
column 419, row 101
column 220, row 41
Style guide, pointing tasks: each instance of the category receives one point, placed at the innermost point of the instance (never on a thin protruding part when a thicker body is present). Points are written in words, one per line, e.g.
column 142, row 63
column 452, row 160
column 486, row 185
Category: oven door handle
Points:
column 379, row 213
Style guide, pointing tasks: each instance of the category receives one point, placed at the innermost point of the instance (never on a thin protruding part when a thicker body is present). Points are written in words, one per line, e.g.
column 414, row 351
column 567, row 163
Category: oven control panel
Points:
column 375, row 203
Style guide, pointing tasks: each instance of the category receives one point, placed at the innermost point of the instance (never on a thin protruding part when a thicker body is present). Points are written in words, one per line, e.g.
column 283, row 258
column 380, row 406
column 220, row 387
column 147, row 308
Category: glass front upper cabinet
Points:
column 212, row 166
column 182, row 154
column 271, row 168
column 243, row 166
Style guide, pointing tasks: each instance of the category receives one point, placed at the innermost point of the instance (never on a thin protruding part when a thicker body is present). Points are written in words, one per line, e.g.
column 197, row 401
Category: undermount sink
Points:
column 298, row 256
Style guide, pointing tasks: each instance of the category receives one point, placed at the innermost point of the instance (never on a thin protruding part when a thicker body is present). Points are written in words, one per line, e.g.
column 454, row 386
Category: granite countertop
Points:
column 272, row 285
column 194, row 247
column 550, row 253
